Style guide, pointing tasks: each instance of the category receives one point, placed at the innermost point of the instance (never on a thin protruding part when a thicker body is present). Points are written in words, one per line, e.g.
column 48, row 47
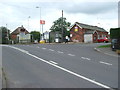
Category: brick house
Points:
column 16, row 32
column 86, row 33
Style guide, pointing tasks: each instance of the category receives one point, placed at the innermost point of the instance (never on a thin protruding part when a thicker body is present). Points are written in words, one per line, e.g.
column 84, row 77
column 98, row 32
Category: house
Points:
column 20, row 35
column 80, row 32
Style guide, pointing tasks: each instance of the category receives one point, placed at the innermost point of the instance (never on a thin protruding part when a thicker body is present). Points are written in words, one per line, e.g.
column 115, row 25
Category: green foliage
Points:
column 4, row 35
column 57, row 26
column 104, row 46
column 115, row 33
column 35, row 35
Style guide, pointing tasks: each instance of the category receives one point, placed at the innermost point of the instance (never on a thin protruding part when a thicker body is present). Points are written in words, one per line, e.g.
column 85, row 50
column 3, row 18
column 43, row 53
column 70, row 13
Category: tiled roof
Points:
column 86, row 26
column 89, row 32
column 17, row 31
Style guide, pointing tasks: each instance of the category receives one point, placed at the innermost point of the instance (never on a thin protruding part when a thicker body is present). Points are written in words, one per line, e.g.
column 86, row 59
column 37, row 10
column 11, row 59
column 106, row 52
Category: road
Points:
column 58, row 66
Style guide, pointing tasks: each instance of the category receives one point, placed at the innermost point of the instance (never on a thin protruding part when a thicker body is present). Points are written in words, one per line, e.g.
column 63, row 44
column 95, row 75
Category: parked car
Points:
column 114, row 44
column 105, row 39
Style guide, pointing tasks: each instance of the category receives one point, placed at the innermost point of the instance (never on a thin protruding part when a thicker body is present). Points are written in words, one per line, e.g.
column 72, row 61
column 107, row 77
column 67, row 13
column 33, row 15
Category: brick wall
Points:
column 13, row 37
column 77, row 35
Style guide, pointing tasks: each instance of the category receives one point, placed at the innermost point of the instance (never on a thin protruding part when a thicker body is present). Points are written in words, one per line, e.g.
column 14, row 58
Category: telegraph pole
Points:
column 62, row 27
column 28, row 23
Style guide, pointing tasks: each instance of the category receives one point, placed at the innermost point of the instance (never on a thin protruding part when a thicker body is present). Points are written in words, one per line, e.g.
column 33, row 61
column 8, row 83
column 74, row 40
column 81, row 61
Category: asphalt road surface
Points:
column 58, row 66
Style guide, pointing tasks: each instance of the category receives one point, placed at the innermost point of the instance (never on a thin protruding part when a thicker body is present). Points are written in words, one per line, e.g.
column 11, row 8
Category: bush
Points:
column 114, row 33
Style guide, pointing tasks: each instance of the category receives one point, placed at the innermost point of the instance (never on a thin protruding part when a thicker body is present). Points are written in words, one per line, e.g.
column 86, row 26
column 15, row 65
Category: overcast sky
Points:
column 15, row 13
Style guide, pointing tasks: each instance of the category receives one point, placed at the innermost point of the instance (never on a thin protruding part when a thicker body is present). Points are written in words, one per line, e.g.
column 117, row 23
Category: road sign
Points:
column 42, row 21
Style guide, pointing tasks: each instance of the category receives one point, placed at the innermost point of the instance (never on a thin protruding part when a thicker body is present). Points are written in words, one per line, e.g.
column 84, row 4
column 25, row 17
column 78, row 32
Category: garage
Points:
column 88, row 38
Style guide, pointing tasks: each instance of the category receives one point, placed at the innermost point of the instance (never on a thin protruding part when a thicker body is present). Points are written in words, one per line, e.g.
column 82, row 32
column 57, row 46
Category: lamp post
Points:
column 40, row 16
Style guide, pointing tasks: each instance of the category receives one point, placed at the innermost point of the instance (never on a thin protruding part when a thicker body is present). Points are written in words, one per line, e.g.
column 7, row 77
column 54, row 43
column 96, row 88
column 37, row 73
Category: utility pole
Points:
column 28, row 23
column 7, row 36
column 62, row 27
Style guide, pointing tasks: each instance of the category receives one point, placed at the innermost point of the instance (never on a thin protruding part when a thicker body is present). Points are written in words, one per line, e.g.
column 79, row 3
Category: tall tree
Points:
column 35, row 35
column 57, row 26
column 4, row 35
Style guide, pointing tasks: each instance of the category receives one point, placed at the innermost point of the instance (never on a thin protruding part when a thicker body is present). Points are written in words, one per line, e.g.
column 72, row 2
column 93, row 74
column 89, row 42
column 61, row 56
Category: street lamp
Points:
column 40, row 17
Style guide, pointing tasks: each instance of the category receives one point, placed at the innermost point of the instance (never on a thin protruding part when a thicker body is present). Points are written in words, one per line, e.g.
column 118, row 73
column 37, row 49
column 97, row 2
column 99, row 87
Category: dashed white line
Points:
column 53, row 62
column 71, row 55
column 38, row 47
column 51, row 50
column 88, row 59
column 85, row 58
column 105, row 63
column 44, row 48
column 64, row 69
column 60, row 52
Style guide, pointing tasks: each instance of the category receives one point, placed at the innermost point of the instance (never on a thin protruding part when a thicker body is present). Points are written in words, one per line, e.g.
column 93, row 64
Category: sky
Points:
column 14, row 13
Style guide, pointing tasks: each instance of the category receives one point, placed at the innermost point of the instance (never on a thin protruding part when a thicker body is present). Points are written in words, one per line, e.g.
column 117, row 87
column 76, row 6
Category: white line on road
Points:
column 53, row 62
column 105, row 63
column 71, row 55
column 51, row 50
column 44, row 48
column 66, row 70
column 59, row 52
column 85, row 58
column 38, row 47
column 22, row 50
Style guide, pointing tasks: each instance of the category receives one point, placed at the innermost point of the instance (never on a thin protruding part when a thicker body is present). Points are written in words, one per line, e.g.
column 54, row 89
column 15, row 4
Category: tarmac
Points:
column 107, row 51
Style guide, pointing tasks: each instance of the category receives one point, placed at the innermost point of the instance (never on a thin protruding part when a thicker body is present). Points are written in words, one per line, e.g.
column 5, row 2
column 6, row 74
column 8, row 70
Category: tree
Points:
column 4, row 35
column 35, row 35
column 57, row 26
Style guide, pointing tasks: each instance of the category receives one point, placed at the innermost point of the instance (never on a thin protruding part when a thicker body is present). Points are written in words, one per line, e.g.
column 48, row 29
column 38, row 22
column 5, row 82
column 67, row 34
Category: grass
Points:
column 104, row 46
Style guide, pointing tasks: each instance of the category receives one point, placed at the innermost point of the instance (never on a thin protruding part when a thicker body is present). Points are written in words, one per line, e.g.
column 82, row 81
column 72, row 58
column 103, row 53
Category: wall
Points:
column 77, row 35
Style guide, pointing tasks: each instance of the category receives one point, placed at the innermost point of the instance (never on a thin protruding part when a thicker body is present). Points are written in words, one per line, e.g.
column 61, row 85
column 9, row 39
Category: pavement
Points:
column 107, row 51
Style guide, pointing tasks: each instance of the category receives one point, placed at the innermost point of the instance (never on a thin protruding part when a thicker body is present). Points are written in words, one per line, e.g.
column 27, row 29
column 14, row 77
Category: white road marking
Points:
column 51, row 50
column 59, row 52
column 44, row 48
column 53, row 62
column 66, row 70
column 85, row 58
column 38, row 47
column 105, row 63
column 71, row 55
column 88, row 59
column 22, row 50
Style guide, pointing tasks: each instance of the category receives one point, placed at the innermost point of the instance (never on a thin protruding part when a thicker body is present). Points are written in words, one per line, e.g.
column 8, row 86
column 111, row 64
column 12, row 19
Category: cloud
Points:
column 90, row 7
column 16, row 13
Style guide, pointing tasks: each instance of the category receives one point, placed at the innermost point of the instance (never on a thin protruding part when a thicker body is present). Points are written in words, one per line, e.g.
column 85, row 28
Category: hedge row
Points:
column 115, row 33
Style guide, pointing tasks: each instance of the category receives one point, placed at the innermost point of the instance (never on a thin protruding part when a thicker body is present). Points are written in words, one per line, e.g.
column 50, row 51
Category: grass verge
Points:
column 104, row 46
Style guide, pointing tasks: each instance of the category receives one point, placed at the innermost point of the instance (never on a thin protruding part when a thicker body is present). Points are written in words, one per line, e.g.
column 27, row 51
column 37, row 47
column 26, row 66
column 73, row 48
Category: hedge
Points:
column 115, row 33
